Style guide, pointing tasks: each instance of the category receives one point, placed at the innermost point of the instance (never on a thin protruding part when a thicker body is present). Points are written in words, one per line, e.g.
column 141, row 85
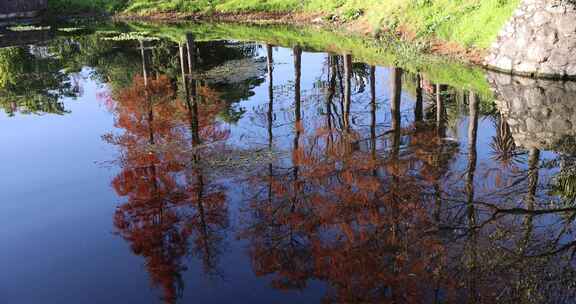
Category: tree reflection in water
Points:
column 373, row 196
column 173, row 208
column 394, row 218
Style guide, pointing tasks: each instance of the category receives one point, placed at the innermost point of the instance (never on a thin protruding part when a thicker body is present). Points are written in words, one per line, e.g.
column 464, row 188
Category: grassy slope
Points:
column 470, row 23
column 81, row 6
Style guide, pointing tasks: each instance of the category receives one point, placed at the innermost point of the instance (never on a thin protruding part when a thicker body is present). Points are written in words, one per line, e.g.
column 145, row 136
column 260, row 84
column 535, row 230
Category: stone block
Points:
column 542, row 42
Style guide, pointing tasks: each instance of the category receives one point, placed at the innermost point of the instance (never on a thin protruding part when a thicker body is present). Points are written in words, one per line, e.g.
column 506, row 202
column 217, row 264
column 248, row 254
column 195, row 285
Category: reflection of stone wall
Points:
column 539, row 40
column 541, row 113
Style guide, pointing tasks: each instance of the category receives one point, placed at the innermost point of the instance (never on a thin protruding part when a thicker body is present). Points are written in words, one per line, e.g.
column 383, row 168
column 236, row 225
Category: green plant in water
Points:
column 27, row 28
column 70, row 29
column 140, row 36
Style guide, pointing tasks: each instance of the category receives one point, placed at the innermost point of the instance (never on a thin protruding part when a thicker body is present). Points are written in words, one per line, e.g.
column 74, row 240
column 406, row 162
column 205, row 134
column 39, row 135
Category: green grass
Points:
column 470, row 23
column 153, row 6
column 467, row 22
column 81, row 6
column 260, row 6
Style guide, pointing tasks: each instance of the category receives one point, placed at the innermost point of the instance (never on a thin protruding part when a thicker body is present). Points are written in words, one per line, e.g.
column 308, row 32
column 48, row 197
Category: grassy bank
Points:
column 469, row 23
column 58, row 7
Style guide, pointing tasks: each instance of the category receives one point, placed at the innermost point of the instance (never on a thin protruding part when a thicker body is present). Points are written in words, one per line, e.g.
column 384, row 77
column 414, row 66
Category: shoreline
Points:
column 448, row 50
column 452, row 51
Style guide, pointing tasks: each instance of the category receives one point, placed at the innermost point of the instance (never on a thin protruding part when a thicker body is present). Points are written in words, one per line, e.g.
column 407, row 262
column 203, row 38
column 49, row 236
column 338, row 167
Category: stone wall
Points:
column 540, row 113
column 539, row 40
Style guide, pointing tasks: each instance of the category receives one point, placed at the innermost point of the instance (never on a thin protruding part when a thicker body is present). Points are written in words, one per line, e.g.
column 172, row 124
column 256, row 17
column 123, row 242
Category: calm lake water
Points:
column 156, row 166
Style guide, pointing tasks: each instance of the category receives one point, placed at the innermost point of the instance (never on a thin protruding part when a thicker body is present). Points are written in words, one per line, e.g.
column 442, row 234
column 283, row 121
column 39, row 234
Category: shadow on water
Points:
column 397, row 184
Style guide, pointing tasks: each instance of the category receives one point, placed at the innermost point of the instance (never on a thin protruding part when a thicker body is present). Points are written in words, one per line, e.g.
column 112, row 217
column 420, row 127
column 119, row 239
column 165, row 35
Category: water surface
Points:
column 164, row 167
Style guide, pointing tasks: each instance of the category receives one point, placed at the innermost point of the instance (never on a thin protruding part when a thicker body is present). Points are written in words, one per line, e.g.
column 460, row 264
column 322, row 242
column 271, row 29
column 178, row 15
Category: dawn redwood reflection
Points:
column 173, row 209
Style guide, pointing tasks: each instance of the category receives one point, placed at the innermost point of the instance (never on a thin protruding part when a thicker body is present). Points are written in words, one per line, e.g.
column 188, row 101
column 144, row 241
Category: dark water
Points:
column 215, row 171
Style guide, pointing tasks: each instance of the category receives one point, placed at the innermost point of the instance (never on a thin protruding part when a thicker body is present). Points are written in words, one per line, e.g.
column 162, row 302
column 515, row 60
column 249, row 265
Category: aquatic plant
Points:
column 27, row 28
column 140, row 36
